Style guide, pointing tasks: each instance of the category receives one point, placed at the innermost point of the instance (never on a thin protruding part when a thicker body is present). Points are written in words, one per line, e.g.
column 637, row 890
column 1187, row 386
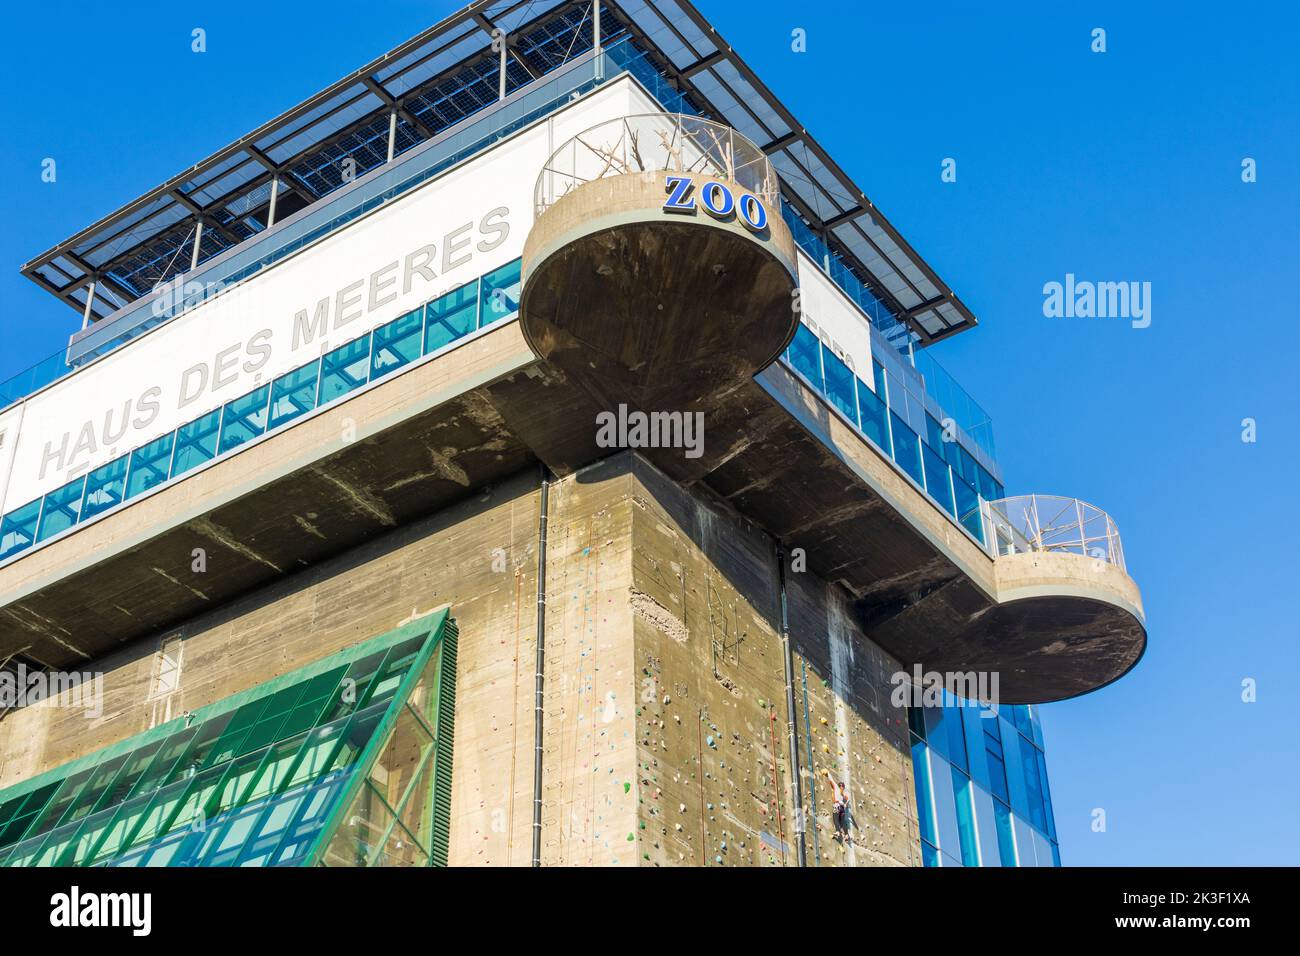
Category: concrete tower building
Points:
column 526, row 450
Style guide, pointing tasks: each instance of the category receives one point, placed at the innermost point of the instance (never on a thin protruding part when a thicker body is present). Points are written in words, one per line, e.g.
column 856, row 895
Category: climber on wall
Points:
column 839, row 806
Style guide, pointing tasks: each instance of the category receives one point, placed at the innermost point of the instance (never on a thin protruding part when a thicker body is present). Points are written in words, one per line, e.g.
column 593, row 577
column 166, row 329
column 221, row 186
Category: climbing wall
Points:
column 665, row 736
column 589, row 754
column 713, row 759
column 848, row 726
column 713, row 772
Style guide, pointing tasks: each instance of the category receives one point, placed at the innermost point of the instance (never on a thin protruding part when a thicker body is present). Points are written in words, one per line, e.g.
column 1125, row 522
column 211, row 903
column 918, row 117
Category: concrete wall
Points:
column 665, row 738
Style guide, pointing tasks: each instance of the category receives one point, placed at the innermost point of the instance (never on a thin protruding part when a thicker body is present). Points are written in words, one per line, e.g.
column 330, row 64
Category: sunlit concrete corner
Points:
column 564, row 479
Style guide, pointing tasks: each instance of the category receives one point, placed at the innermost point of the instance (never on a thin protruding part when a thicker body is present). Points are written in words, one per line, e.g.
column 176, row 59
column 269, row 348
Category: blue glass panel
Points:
column 1020, row 714
column 344, row 369
column 501, row 294
column 1056, row 855
column 150, row 464
column 451, row 317
column 924, row 800
column 936, row 733
column 196, row 442
column 1036, row 724
column 398, row 343
column 970, row 855
column 989, row 489
column 952, row 720
column 62, row 509
column 1047, row 796
column 874, row 424
column 964, row 464
column 997, row 772
column 805, row 356
column 1033, row 788
column 872, row 412
column 105, row 487
column 929, row 855
column 244, row 419
column 1006, row 839
column 936, row 480
column 293, row 394
column 978, row 765
column 839, row 385
column 968, row 505
column 907, row 448
column 18, row 528
column 934, row 434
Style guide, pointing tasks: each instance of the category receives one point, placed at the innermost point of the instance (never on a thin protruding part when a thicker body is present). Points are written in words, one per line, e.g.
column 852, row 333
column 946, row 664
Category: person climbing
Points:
column 839, row 806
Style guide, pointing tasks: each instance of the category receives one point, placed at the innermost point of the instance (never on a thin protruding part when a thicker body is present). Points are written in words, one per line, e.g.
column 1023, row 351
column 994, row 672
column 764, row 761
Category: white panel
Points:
column 1024, row 842
column 1042, row 849
column 9, row 427
column 945, row 807
column 986, row 825
column 838, row 324
column 369, row 273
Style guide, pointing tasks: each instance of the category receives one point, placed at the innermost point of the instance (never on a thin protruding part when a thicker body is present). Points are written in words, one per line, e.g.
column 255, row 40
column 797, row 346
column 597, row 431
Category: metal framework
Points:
column 1029, row 523
column 435, row 80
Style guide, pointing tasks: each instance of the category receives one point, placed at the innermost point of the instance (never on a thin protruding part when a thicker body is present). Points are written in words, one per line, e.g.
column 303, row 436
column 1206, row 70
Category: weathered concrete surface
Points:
column 391, row 454
column 478, row 556
column 661, row 633
column 436, row 433
column 715, row 768
column 651, row 308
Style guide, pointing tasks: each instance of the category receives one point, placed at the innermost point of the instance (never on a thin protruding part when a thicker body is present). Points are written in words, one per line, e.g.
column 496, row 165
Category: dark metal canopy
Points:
column 431, row 83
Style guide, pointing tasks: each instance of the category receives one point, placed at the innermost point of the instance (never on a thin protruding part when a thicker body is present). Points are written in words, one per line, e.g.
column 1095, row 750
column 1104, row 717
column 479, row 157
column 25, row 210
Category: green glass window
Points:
column 397, row 343
column 451, row 317
column 195, row 443
column 344, row 762
column 244, row 419
column 149, row 465
column 105, row 487
column 293, row 394
column 62, row 509
column 501, row 294
column 344, row 369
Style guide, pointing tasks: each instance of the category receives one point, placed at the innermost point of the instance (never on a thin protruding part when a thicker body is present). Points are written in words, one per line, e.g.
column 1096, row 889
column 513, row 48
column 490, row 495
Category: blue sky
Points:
column 1117, row 166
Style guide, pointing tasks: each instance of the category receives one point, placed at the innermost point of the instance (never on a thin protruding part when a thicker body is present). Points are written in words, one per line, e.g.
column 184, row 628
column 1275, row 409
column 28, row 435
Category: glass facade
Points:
column 485, row 301
column 982, row 796
column 893, row 417
column 345, row 762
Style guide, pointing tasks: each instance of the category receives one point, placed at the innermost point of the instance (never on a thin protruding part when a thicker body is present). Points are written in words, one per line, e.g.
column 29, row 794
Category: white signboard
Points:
column 443, row 234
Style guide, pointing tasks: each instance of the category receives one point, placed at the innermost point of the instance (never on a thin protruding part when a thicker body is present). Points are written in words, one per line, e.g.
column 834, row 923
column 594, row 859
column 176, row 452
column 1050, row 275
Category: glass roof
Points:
column 341, row 763
column 436, row 80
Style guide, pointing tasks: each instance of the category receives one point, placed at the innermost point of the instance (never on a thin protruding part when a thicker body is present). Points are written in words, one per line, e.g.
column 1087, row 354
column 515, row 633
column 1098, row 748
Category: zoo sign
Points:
column 718, row 201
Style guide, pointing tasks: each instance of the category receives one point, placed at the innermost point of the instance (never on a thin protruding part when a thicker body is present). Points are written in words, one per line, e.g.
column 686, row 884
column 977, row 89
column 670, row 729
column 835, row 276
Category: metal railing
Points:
column 1027, row 523
column 656, row 142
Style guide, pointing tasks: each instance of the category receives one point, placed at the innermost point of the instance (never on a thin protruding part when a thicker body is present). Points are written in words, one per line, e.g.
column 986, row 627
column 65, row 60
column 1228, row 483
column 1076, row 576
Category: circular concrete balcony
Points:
column 659, row 273
column 1069, row 619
